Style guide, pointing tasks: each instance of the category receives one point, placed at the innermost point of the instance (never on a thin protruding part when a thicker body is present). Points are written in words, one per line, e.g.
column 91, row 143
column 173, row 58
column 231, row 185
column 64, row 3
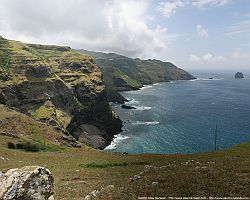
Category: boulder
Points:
column 29, row 183
column 239, row 75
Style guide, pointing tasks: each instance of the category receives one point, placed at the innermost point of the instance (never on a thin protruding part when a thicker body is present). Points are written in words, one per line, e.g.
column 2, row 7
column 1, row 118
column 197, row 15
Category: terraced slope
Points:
column 57, row 86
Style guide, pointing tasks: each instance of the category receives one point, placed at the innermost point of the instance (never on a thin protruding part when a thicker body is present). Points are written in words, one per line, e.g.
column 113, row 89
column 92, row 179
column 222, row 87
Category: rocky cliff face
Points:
column 122, row 73
column 58, row 86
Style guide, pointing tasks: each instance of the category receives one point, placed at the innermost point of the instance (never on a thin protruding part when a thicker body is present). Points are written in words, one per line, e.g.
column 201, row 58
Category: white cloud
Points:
column 206, row 58
column 239, row 28
column 202, row 32
column 209, row 3
column 169, row 7
column 112, row 26
column 238, row 54
column 194, row 58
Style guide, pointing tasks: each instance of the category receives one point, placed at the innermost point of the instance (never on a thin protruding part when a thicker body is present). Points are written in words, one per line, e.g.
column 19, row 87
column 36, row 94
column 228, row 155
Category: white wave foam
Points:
column 132, row 101
column 145, row 123
column 145, row 87
column 143, row 107
column 207, row 79
column 155, row 84
column 117, row 140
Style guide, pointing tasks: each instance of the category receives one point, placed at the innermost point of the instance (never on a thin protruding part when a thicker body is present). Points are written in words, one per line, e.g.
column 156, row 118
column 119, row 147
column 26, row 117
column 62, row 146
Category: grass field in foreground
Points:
column 78, row 172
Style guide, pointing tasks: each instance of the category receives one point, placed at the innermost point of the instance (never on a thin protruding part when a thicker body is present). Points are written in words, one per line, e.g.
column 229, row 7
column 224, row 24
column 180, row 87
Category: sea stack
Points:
column 128, row 107
column 239, row 75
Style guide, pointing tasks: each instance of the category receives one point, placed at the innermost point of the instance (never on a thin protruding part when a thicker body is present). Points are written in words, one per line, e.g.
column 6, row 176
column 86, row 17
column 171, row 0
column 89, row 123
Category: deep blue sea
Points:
column 181, row 116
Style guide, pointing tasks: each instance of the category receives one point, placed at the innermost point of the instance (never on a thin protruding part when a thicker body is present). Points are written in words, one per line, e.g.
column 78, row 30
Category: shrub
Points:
column 19, row 146
column 11, row 145
column 111, row 164
column 36, row 145
column 32, row 147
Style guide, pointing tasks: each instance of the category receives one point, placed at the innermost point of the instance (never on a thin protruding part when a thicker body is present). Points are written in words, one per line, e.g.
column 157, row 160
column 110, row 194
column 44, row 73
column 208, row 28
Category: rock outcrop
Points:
column 58, row 86
column 127, row 107
column 239, row 75
column 27, row 183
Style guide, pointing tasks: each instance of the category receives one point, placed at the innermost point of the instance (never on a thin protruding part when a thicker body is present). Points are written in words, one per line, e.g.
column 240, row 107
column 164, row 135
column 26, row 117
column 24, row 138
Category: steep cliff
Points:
column 122, row 73
column 57, row 86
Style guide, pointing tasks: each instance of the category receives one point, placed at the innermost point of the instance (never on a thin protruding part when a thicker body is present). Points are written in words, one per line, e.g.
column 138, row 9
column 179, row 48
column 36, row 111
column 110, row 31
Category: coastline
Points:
column 139, row 121
column 119, row 137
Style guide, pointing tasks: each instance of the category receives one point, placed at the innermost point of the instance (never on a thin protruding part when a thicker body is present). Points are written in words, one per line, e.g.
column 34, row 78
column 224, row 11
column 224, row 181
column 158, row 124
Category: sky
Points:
column 193, row 34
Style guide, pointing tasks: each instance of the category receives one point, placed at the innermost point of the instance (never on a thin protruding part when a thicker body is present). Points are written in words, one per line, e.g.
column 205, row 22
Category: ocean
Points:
column 181, row 116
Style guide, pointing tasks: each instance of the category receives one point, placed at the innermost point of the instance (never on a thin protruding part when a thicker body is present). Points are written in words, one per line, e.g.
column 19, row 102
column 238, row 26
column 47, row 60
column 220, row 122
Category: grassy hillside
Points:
column 122, row 73
column 78, row 172
column 18, row 128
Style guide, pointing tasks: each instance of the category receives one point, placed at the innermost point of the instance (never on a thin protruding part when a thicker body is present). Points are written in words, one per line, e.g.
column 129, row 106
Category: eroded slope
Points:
column 58, row 86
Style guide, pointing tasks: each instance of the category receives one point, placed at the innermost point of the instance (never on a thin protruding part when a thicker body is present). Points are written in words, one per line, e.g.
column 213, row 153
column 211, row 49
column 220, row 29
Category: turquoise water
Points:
column 180, row 116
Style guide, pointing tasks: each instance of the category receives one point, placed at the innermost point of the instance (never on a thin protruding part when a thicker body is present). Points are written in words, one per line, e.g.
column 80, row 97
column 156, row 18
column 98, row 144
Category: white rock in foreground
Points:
column 29, row 183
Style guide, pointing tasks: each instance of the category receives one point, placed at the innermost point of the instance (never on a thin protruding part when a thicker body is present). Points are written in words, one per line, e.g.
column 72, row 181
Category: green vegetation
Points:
column 53, row 84
column 44, row 112
column 4, row 53
column 34, row 146
column 37, row 145
column 122, row 73
column 17, row 57
column 101, row 164
column 117, row 80
column 23, row 132
column 29, row 146
column 78, row 172
column 74, row 56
